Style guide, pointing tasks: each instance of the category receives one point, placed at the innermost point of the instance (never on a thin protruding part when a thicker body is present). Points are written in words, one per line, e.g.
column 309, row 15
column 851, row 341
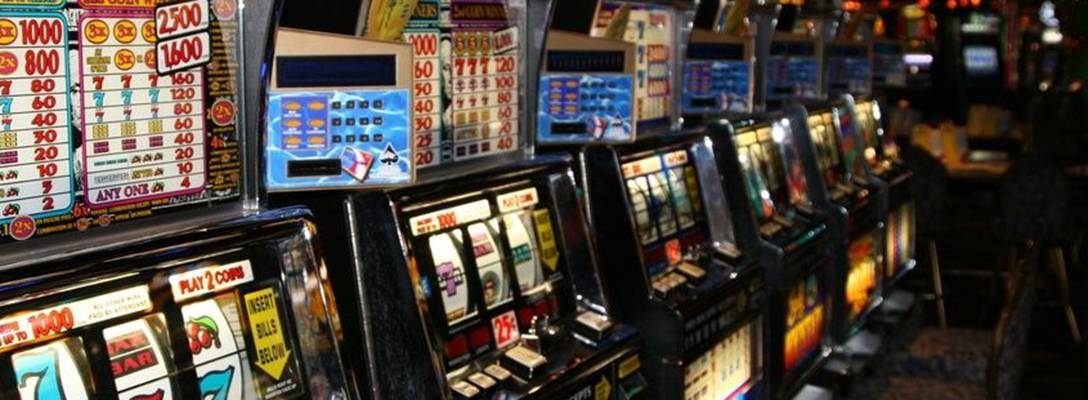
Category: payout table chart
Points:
column 113, row 112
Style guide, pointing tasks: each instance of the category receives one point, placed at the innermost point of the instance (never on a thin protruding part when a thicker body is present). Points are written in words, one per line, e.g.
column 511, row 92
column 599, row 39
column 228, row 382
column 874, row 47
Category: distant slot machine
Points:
column 849, row 66
column 839, row 153
column 677, row 268
column 982, row 51
column 764, row 158
column 110, row 117
column 485, row 287
column 338, row 113
column 233, row 312
column 882, row 155
column 587, row 85
column 720, row 64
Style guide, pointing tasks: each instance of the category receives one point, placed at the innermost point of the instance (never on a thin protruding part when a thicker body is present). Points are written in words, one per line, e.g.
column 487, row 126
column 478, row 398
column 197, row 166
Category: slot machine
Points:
column 764, row 158
column 882, row 156
column 795, row 65
column 237, row 311
column 338, row 113
column 113, row 123
column 128, row 281
column 839, row 153
column 982, row 51
column 678, row 268
column 483, row 287
column 587, row 84
column 720, row 68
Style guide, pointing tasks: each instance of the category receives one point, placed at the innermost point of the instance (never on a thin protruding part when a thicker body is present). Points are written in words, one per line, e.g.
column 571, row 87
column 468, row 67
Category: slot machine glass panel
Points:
column 664, row 193
column 772, row 167
column 489, row 265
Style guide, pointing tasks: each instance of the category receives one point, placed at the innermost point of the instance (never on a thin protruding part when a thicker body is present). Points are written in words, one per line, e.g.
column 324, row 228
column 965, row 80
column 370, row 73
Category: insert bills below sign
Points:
column 264, row 320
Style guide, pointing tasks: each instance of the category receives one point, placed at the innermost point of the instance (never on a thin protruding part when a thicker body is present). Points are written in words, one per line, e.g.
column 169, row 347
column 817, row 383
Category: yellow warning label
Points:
column 264, row 321
column 603, row 389
column 548, row 251
column 629, row 366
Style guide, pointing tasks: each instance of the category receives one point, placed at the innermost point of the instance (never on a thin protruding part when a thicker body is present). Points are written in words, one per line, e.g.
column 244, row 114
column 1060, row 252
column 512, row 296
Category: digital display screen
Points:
column 486, row 262
column 664, row 194
column 586, row 61
column 336, row 71
column 980, row 60
column 787, row 48
column 716, row 51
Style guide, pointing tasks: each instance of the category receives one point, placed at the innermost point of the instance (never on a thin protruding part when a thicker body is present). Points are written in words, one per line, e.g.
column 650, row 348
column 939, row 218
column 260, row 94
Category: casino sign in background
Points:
column 113, row 111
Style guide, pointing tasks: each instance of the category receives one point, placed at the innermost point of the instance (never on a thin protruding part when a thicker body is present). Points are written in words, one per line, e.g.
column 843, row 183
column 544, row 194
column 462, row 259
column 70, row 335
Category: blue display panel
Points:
column 585, row 108
column 849, row 70
column 793, row 70
column 717, row 86
column 330, row 139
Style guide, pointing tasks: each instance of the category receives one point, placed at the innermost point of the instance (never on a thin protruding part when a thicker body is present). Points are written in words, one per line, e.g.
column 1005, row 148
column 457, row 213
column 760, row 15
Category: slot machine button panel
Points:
column 694, row 273
column 678, row 279
column 497, row 372
column 464, row 390
column 593, row 326
column 523, row 362
column 486, row 383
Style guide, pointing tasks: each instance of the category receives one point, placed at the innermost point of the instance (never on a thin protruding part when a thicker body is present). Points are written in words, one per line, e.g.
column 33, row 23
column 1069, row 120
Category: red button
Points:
column 525, row 316
column 480, row 337
column 456, row 347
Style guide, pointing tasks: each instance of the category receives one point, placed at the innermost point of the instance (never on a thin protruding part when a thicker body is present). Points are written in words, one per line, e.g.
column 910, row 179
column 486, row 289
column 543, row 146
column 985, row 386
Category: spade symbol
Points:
column 389, row 156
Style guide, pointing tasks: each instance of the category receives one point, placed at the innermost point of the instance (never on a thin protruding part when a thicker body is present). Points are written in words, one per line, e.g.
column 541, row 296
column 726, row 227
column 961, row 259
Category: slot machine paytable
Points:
column 763, row 158
column 678, row 270
column 479, row 288
column 119, row 117
column 472, row 76
column 237, row 311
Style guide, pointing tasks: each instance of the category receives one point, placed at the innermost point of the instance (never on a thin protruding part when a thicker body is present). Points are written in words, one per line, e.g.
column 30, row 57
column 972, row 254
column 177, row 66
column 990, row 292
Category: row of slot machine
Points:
column 475, row 199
